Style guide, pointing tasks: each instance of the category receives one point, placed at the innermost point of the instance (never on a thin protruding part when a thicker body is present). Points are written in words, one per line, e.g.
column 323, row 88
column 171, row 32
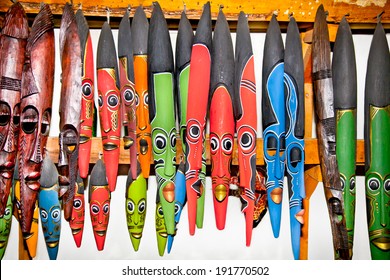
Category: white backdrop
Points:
column 210, row 243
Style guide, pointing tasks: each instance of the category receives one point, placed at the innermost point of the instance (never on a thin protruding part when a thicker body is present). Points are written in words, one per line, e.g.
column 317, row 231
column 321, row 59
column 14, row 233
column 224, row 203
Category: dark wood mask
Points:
column 35, row 107
column 70, row 107
column 12, row 51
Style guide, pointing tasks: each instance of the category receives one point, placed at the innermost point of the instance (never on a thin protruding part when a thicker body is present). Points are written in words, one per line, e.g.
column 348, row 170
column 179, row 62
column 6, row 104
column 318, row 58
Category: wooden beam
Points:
column 360, row 12
column 311, row 151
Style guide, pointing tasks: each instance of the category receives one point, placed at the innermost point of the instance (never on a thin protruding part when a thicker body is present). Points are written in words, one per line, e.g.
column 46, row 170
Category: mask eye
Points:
column 95, row 209
column 7, row 213
column 5, row 114
column 352, row 183
column 44, row 215
column 227, row 145
column 112, row 100
column 342, row 182
column 193, row 131
column 106, row 208
column 146, row 99
column 177, row 208
column 45, row 125
column 142, row 207
column 87, row 89
column 214, row 144
column 56, row 215
column 77, row 203
column 173, row 140
column 160, row 211
column 387, row 185
column 130, row 207
column 246, row 142
column 29, row 120
column 100, row 101
column 136, row 100
column 373, row 184
column 160, row 142
column 128, row 95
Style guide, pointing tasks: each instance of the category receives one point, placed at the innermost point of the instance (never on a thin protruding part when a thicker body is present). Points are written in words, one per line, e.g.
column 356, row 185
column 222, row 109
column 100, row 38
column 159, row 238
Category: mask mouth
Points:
column 76, row 231
column 84, row 139
column 136, row 235
column 52, row 244
column 163, row 234
column 143, row 146
column 109, row 146
column 382, row 243
column 101, row 232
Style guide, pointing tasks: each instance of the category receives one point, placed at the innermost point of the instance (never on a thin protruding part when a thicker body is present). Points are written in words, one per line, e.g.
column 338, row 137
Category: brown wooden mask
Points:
column 12, row 48
column 35, row 107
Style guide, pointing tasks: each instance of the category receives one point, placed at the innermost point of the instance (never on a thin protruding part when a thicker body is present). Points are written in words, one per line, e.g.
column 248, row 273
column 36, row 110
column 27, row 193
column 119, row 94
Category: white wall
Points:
column 210, row 243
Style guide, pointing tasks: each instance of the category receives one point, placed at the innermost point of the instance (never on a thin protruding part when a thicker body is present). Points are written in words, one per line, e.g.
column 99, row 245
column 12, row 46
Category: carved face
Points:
column 5, row 226
column 50, row 213
column 161, row 230
column 136, row 209
column 35, row 108
column 87, row 109
column 378, row 184
column 109, row 111
column 144, row 138
column 78, row 213
column 100, row 213
column 221, row 148
column 275, row 144
column 164, row 146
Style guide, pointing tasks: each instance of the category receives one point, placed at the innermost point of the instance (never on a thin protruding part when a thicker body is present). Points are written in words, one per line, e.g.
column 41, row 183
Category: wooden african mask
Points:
column 35, row 108
column 13, row 39
column 78, row 212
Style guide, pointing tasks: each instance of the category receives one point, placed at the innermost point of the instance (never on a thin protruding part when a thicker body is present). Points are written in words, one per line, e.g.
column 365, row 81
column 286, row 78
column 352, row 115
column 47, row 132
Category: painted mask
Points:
column 246, row 116
column 13, row 39
column 198, row 96
column 127, row 90
column 50, row 207
column 273, row 116
column 162, row 113
column 35, row 108
column 78, row 212
column 109, row 102
column 99, row 203
column 180, row 200
column 139, row 33
column 295, row 122
column 88, row 91
column 136, row 207
column 70, row 108
column 161, row 230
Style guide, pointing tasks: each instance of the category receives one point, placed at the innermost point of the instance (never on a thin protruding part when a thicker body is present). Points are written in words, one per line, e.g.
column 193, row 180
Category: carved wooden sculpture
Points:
column 345, row 103
column 35, row 108
column 326, row 132
column 76, row 222
column 27, row 242
column 260, row 207
column 295, row 124
column 88, row 111
column 162, row 113
column 109, row 102
column 198, row 95
column 136, row 206
column 13, row 39
column 273, row 117
column 139, row 35
column 377, row 145
column 184, row 42
column 245, row 110
column 222, row 121
column 50, row 207
column 70, row 108
column 99, row 203
column 128, row 97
